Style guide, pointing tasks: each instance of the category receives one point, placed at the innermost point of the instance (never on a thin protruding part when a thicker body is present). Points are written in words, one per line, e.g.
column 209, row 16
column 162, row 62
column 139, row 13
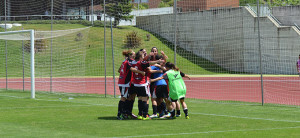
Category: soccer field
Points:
column 74, row 115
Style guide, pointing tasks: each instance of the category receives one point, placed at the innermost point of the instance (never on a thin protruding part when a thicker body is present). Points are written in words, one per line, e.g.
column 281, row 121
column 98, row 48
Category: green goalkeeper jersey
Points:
column 177, row 88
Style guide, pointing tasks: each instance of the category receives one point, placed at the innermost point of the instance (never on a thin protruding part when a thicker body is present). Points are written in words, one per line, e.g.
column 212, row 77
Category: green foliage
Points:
column 166, row 3
column 132, row 40
column 40, row 45
column 120, row 11
column 141, row 6
column 78, row 37
column 251, row 2
column 273, row 3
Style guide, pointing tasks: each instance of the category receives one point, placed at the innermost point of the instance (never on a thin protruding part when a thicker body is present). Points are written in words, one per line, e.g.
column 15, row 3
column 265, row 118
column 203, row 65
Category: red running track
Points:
column 278, row 90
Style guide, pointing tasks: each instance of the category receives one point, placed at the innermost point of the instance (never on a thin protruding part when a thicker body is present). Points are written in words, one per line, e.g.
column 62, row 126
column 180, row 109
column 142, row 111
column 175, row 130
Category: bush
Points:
column 132, row 40
column 148, row 37
column 79, row 37
column 40, row 45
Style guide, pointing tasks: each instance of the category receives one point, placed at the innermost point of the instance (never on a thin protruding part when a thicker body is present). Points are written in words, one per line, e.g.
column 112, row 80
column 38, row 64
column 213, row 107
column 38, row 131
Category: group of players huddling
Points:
column 143, row 75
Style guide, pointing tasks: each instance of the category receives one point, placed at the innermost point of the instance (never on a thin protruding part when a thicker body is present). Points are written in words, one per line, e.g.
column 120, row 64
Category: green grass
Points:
column 94, row 53
column 57, row 115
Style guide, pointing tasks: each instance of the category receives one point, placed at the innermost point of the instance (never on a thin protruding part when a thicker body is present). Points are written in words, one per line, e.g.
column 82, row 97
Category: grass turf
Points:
column 71, row 115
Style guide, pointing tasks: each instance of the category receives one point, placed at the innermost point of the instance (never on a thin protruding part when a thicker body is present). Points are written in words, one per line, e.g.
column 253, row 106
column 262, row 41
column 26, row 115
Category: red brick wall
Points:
column 211, row 4
column 191, row 5
column 199, row 5
column 154, row 3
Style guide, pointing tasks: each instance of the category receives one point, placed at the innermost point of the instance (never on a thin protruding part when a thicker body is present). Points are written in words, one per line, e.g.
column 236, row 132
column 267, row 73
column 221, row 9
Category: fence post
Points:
column 260, row 55
column 104, row 45
column 92, row 16
column 113, row 58
column 51, row 46
column 5, row 46
column 175, row 29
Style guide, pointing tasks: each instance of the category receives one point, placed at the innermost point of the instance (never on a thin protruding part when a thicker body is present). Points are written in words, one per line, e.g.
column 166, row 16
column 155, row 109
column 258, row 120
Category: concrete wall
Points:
column 287, row 15
column 229, row 38
column 146, row 12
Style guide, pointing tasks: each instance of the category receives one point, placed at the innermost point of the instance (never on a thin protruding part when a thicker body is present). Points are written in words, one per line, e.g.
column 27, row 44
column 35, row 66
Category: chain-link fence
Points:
column 233, row 51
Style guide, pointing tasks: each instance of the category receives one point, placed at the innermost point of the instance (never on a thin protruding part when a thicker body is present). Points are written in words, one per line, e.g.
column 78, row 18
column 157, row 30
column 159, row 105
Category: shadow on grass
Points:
column 107, row 118
column 115, row 118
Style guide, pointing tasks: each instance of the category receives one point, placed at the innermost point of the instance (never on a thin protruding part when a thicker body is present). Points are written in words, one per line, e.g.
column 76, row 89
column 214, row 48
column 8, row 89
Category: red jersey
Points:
column 125, row 73
column 137, row 78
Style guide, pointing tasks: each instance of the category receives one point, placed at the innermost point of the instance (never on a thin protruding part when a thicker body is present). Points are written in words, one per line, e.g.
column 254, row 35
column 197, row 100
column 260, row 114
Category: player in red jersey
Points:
column 124, row 82
column 141, row 83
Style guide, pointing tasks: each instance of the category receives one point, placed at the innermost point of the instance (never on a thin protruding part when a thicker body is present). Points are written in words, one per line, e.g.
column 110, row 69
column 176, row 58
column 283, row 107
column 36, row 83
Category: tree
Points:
column 166, row 3
column 273, row 3
column 120, row 10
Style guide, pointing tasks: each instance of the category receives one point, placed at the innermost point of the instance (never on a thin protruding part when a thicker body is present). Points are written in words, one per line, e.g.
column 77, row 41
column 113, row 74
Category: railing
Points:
column 265, row 12
column 275, row 19
column 297, row 26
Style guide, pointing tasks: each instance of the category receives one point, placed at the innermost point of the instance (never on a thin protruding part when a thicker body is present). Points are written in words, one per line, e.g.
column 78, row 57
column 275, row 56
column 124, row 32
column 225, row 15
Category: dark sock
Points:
column 130, row 107
column 178, row 112
column 121, row 107
column 159, row 108
column 140, row 106
column 164, row 107
column 154, row 107
column 145, row 109
column 126, row 107
column 172, row 113
column 186, row 112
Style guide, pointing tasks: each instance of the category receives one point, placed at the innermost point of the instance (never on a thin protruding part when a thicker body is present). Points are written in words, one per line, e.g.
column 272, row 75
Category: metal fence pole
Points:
column 23, row 63
column 113, row 58
column 260, row 55
column 104, row 45
column 5, row 46
column 175, row 29
column 51, row 47
column 92, row 16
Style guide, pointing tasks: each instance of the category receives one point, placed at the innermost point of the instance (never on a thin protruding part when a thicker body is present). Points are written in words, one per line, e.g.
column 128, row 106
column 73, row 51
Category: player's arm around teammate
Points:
column 177, row 88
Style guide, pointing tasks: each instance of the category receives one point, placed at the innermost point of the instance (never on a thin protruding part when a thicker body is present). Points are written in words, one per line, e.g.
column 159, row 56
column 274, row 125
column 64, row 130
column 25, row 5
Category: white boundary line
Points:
column 207, row 132
column 265, row 119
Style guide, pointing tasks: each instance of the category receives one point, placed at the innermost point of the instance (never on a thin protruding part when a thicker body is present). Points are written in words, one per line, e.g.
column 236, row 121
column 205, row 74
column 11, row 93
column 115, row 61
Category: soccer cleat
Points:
column 161, row 115
column 187, row 117
column 178, row 115
column 168, row 115
column 129, row 117
column 133, row 116
column 146, row 118
column 139, row 117
column 120, row 117
column 153, row 116
column 124, row 116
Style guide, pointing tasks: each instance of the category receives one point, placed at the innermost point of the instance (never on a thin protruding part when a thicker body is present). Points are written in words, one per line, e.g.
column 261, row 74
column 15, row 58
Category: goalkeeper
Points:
column 177, row 88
